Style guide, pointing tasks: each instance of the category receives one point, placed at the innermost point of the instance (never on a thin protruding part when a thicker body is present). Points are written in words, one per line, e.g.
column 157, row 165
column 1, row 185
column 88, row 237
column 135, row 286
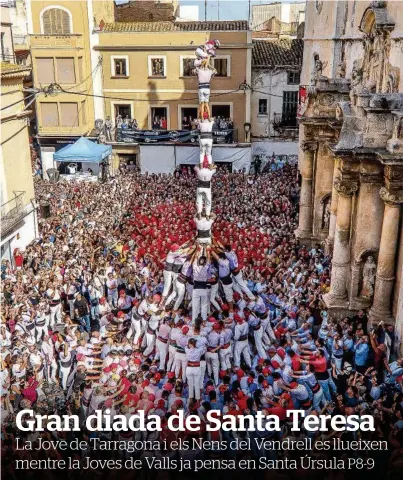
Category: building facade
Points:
column 149, row 66
column 276, row 69
column 143, row 69
column 62, row 36
column 18, row 214
column 351, row 156
column 286, row 13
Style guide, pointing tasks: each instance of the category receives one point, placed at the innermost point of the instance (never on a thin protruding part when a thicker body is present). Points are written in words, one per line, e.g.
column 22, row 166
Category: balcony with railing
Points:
column 12, row 214
column 285, row 124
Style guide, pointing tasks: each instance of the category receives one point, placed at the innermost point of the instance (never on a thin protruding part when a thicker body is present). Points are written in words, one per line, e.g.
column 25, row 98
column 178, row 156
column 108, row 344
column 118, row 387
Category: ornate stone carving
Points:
column 317, row 72
column 356, row 74
column 391, row 199
column 341, row 70
column 378, row 75
column 368, row 278
column 346, row 187
column 308, row 146
column 326, row 212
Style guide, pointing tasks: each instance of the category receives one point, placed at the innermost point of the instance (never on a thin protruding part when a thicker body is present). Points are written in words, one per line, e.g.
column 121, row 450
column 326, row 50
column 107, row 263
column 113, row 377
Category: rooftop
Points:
column 223, row 26
column 9, row 70
column 277, row 53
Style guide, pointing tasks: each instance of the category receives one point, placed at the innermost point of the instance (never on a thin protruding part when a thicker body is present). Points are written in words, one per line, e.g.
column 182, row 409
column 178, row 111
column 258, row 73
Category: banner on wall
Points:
column 165, row 158
column 302, row 100
column 174, row 136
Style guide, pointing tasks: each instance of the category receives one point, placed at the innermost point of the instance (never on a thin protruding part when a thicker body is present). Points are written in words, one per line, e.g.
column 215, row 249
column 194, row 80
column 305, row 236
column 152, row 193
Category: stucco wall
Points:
column 271, row 86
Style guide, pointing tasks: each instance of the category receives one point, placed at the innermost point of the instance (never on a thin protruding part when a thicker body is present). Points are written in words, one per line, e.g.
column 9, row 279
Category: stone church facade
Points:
column 351, row 152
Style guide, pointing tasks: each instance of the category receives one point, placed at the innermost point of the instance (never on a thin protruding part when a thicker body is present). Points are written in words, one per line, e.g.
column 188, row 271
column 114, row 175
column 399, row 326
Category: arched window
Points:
column 56, row 21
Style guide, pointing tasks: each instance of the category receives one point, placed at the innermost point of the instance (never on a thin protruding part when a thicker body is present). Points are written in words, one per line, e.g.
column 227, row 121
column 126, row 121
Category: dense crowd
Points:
column 87, row 324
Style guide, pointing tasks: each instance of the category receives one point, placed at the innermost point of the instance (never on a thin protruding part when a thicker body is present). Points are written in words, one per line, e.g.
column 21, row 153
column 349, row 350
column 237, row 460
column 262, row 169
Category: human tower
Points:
column 192, row 263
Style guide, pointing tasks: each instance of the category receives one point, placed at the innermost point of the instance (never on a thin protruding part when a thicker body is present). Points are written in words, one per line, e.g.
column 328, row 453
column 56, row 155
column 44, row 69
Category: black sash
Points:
column 204, row 85
column 206, row 135
column 203, row 184
column 168, row 267
column 176, row 268
column 203, row 234
column 66, row 364
column 227, row 280
column 199, row 285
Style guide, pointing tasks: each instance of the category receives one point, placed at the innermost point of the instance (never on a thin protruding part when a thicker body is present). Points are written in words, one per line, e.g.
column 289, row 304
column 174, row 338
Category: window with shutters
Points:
column 119, row 66
column 56, row 21
column 65, row 70
column 222, row 63
column 45, row 70
column 50, row 116
column 262, row 106
column 290, row 105
column 68, row 114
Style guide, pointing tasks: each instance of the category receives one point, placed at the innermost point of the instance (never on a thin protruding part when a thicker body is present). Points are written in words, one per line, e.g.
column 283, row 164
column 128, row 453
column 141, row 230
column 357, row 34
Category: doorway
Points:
column 123, row 110
column 190, row 113
column 159, row 118
column 222, row 111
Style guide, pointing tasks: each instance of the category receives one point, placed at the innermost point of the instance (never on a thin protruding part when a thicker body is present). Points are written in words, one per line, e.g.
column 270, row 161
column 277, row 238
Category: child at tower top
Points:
column 204, row 52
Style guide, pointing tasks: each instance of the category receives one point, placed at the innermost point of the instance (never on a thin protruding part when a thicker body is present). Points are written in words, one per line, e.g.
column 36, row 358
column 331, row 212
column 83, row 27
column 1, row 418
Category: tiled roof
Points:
column 176, row 26
column 10, row 69
column 283, row 52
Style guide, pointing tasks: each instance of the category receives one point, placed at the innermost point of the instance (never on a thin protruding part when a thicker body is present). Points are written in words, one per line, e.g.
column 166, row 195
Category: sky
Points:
column 225, row 9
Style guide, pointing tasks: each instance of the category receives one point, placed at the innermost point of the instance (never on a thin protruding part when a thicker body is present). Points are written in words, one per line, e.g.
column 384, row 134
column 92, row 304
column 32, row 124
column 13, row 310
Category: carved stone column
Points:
column 333, row 210
column 367, row 235
column 337, row 297
column 385, row 274
column 304, row 231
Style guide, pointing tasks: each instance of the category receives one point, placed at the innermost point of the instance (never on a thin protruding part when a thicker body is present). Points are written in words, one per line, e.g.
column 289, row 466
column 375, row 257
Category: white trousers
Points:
column 203, row 367
column 64, row 374
column 52, row 370
column 258, row 335
column 225, row 358
column 150, row 342
column 213, row 296
column 136, row 329
column 169, row 279
column 40, row 332
column 199, row 303
column 203, row 198
column 193, row 375
column 171, row 358
column 268, row 334
column 162, row 351
column 213, row 365
column 242, row 349
column 241, row 286
column 206, row 147
column 55, row 314
column 178, row 293
column 181, row 361
column 228, row 292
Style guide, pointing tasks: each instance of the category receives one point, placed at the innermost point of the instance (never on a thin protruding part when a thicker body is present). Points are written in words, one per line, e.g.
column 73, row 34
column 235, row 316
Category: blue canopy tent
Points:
column 82, row 151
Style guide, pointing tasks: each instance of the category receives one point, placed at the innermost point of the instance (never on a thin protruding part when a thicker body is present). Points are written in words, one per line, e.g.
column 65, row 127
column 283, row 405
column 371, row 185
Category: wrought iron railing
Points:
column 12, row 213
column 285, row 120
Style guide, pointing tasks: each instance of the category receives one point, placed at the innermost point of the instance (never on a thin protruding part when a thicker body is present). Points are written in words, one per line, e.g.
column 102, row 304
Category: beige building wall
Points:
column 16, row 171
column 173, row 90
column 48, row 53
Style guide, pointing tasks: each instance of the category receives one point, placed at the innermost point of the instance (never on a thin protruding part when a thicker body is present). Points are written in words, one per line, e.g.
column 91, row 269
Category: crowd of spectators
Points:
column 71, row 300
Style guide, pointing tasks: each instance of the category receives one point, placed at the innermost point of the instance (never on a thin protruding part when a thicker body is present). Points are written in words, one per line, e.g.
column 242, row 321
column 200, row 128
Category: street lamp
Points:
column 246, row 127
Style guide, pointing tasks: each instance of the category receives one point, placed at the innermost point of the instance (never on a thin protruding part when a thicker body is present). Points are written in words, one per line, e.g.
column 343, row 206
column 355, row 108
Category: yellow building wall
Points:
column 16, row 171
column 173, row 91
column 73, row 46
